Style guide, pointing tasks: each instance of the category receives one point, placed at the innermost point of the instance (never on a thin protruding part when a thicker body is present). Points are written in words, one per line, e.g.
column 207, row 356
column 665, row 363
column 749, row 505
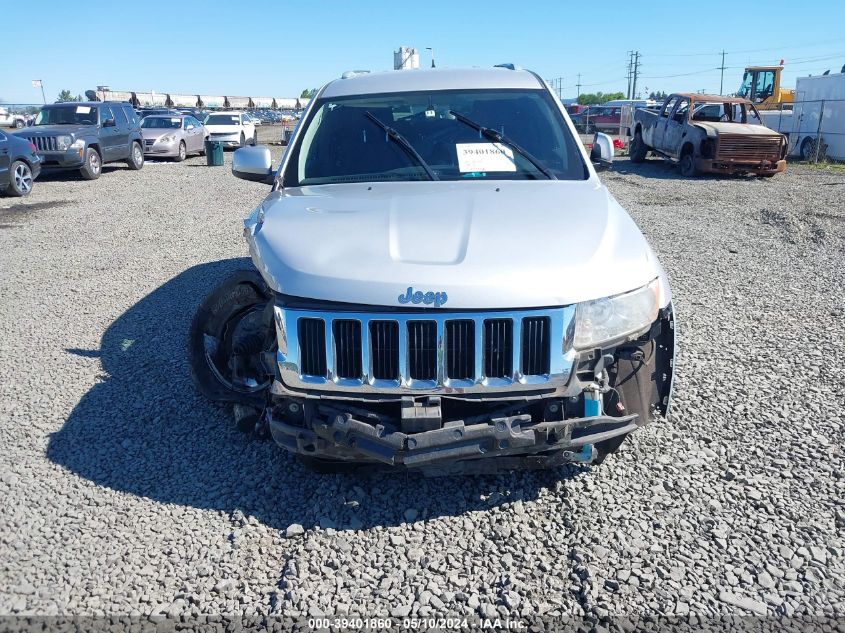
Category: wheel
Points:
column 231, row 330
column 687, row 165
column 183, row 152
column 254, row 139
column 93, row 165
column 243, row 139
column 19, row 124
column 20, row 184
column 136, row 156
column 639, row 149
column 808, row 149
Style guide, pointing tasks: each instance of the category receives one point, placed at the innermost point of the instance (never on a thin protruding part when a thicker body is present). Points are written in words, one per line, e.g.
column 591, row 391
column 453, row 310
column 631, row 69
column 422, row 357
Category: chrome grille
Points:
column 430, row 351
column 498, row 348
column 312, row 346
column 460, row 349
column 748, row 148
column 347, row 348
column 43, row 143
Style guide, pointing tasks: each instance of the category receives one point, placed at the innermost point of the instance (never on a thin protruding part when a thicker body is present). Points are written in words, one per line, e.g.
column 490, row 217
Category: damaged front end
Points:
column 440, row 393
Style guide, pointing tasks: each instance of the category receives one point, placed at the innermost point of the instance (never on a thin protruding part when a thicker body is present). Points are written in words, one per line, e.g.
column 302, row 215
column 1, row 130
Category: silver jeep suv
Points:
column 442, row 283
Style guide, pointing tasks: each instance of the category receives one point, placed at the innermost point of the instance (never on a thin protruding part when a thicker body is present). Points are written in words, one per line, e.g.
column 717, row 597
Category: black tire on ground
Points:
column 243, row 139
column 183, row 152
column 93, row 165
column 236, row 317
column 808, row 149
column 19, row 124
column 687, row 165
column 136, row 156
column 20, row 179
column 639, row 150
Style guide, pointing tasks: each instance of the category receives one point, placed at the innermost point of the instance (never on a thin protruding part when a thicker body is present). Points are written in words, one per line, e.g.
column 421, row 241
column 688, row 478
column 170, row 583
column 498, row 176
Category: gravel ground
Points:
column 125, row 492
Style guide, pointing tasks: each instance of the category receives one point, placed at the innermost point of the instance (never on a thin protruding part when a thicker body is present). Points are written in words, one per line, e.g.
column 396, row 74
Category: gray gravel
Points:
column 125, row 492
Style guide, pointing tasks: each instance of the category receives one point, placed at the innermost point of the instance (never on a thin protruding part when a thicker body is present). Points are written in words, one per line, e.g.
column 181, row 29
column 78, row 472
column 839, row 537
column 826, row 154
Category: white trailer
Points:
column 818, row 112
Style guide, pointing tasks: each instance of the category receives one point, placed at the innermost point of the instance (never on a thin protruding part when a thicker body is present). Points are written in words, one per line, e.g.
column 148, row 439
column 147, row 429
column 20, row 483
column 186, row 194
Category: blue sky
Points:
column 265, row 48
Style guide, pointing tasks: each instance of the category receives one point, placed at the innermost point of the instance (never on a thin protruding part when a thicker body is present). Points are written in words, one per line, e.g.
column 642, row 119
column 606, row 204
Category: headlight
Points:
column 612, row 318
column 167, row 138
column 63, row 142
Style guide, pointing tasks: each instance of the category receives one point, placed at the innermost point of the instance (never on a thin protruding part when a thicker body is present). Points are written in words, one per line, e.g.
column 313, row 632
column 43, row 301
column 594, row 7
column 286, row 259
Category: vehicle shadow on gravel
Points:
column 70, row 175
column 663, row 170
column 144, row 430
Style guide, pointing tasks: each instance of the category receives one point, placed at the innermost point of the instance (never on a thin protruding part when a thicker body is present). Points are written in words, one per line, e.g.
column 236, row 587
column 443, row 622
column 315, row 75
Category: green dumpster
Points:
column 213, row 153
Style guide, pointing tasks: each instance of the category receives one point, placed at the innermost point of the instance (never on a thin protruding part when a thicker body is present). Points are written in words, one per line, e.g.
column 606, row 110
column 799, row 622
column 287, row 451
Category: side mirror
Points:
column 602, row 153
column 253, row 163
column 108, row 123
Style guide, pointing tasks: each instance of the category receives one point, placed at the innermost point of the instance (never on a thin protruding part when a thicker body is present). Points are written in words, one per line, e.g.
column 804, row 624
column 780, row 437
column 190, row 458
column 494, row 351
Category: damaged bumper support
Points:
column 514, row 441
column 730, row 166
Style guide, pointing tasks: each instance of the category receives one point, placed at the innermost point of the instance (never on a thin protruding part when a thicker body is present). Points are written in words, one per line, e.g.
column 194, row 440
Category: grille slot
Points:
column 460, row 349
column 422, row 350
column 43, row 143
column 498, row 348
column 347, row 348
column 312, row 347
column 535, row 346
column 384, row 342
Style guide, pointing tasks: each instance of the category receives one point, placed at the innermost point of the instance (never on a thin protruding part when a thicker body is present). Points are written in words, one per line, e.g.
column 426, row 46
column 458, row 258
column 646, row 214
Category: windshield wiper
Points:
column 402, row 142
column 493, row 135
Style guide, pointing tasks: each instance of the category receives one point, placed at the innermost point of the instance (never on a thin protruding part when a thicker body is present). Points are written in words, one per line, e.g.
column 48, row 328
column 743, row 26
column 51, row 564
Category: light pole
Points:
column 428, row 48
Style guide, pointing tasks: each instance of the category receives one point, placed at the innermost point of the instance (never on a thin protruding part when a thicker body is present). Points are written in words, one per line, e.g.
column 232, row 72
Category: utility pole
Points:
column 636, row 72
column 630, row 71
column 722, row 68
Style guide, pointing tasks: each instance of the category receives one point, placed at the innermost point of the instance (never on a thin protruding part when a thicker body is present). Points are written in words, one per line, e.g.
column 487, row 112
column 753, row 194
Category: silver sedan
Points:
column 173, row 136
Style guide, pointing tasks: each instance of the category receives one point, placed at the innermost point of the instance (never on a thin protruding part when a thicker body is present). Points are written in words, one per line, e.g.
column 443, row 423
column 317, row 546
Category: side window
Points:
column 764, row 87
column 668, row 106
column 130, row 115
column 121, row 117
column 2, row 136
column 106, row 115
column 681, row 111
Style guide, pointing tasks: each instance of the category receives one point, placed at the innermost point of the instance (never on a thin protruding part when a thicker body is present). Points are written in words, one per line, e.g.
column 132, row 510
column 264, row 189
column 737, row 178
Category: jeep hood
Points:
column 55, row 130
column 487, row 245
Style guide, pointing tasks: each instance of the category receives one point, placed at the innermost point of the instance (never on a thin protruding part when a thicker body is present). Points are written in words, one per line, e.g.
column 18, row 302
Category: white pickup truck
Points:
column 442, row 284
column 9, row 119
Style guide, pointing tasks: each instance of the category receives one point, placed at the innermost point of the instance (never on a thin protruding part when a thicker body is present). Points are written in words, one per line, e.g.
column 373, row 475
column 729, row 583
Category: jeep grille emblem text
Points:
column 427, row 298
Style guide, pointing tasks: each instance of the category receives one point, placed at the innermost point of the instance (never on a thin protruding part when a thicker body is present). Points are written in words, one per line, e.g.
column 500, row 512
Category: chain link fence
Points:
column 815, row 129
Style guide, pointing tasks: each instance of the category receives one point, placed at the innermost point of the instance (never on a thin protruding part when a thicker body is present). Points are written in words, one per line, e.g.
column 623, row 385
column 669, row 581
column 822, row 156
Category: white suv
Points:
column 441, row 283
column 233, row 129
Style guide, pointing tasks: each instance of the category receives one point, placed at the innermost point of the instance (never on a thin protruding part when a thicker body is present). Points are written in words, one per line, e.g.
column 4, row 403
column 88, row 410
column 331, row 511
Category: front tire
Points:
column 808, row 149
column 19, row 124
column 243, row 139
column 687, row 165
column 183, row 152
column 93, row 166
column 136, row 156
column 20, row 184
column 639, row 149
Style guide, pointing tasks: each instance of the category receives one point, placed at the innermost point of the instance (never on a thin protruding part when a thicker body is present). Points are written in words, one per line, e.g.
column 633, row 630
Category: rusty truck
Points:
column 708, row 133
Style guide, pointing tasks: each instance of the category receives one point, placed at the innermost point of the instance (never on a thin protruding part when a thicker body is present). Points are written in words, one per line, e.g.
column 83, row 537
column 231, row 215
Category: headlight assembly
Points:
column 63, row 142
column 167, row 138
column 78, row 144
column 615, row 318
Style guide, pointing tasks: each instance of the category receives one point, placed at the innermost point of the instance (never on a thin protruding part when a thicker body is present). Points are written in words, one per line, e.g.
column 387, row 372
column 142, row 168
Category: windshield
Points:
column 341, row 143
column 745, row 88
column 67, row 115
column 223, row 119
column 162, row 122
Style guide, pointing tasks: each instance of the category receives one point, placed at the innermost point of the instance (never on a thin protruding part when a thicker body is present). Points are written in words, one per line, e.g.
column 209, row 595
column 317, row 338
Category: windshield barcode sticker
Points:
column 473, row 157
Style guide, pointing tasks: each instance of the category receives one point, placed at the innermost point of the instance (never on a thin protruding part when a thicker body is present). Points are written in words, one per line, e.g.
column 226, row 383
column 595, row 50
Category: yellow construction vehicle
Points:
column 761, row 84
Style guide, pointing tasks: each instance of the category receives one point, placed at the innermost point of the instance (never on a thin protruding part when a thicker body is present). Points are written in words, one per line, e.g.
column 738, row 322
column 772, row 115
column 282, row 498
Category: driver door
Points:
column 662, row 120
column 109, row 135
column 676, row 127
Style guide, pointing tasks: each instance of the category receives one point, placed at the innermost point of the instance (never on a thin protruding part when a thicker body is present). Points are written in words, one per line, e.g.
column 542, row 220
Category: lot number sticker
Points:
column 83, row 109
column 475, row 157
